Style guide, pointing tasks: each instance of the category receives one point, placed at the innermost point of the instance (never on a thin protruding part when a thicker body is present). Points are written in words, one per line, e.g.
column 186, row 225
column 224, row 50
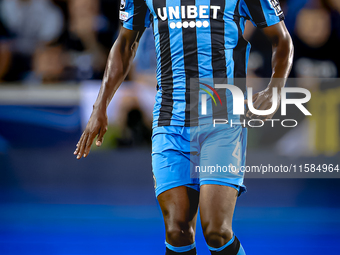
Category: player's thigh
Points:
column 176, row 191
column 217, row 204
column 179, row 208
column 179, row 204
column 222, row 155
column 222, row 158
column 171, row 159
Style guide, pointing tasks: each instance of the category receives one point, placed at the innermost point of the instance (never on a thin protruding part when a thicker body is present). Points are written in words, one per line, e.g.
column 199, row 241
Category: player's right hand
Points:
column 97, row 125
column 263, row 100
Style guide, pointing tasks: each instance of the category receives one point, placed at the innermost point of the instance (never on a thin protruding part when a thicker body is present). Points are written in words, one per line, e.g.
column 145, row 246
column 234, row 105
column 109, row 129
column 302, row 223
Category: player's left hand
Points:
column 263, row 101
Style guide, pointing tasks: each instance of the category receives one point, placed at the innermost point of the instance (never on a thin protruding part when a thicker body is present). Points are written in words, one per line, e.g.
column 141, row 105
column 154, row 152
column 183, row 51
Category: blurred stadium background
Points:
column 52, row 57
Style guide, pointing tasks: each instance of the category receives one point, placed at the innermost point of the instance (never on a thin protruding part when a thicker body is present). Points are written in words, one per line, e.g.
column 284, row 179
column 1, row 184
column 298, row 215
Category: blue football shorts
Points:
column 194, row 156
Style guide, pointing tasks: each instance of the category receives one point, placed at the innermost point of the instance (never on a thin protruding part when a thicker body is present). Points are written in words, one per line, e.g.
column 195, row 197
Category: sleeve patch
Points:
column 123, row 15
column 276, row 7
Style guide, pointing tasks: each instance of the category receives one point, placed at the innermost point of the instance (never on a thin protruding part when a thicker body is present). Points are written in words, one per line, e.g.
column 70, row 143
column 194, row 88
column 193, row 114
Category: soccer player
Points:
column 194, row 39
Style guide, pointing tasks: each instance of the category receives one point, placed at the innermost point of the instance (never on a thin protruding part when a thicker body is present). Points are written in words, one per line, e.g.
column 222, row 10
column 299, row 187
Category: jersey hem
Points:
column 132, row 27
column 265, row 24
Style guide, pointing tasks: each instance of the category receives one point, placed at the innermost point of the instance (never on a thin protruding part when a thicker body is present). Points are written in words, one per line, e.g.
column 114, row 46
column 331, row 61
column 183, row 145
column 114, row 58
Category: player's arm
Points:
column 118, row 65
column 283, row 51
column 282, row 59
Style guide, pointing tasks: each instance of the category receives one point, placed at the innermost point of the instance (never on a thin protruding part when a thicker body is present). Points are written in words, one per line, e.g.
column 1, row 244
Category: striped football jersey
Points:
column 197, row 39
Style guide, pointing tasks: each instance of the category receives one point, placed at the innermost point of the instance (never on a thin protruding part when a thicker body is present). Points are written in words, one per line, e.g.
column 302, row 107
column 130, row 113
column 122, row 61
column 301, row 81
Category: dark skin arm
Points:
column 118, row 65
column 120, row 60
column 282, row 59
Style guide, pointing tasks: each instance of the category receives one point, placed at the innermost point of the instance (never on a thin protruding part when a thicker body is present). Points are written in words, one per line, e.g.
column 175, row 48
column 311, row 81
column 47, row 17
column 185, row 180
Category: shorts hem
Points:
column 240, row 188
column 169, row 186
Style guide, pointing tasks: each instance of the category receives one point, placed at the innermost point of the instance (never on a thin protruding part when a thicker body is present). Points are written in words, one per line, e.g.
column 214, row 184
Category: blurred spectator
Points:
column 5, row 52
column 316, row 42
column 48, row 64
column 315, row 29
column 333, row 6
column 29, row 24
column 32, row 31
column 134, row 130
column 88, row 37
column 292, row 8
column 83, row 14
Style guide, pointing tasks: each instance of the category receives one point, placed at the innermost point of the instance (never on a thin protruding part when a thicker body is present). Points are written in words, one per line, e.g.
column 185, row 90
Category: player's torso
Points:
column 193, row 37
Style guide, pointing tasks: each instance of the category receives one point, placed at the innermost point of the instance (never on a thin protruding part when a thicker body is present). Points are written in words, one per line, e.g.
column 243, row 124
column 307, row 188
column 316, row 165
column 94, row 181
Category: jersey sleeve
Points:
column 134, row 14
column 262, row 13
